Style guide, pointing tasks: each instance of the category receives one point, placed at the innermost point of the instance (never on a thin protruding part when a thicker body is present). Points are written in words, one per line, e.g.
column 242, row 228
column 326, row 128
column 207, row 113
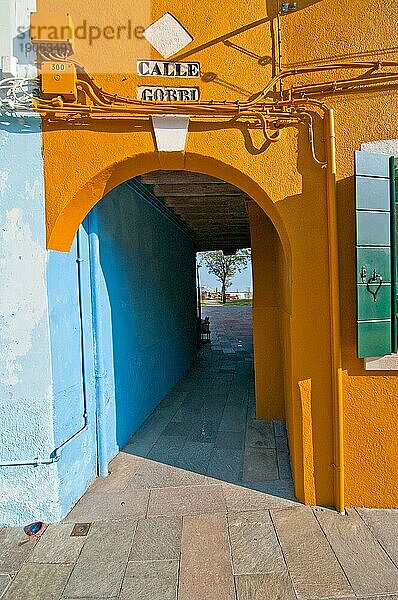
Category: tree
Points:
column 224, row 266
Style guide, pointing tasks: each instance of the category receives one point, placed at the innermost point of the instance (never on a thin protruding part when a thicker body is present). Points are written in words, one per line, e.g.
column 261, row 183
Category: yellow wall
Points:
column 82, row 163
column 267, row 315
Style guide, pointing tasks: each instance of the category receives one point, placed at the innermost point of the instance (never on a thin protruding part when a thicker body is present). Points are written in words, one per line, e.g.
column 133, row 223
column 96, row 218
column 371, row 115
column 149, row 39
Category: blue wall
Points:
column 91, row 340
column 148, row 265
column 27, row 492
column 73, row 374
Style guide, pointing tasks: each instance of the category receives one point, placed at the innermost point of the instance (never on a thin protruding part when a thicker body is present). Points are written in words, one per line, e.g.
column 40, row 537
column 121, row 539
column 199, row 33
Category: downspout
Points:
column 334, row 291
column 100, row 373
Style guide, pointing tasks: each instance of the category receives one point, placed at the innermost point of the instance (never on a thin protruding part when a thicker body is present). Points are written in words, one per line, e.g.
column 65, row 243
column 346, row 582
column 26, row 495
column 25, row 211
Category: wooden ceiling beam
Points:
column 221, row 199
column 226, row 247
column 204, row 222
column 177, row 177
column 197, row 190
column 232, row 239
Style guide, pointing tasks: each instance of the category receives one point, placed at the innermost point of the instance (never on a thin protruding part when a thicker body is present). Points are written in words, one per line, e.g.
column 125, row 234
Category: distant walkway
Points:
column 200, row 506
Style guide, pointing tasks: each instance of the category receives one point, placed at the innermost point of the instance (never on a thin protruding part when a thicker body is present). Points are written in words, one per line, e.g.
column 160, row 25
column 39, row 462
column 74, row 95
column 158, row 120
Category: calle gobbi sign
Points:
column 159, row 68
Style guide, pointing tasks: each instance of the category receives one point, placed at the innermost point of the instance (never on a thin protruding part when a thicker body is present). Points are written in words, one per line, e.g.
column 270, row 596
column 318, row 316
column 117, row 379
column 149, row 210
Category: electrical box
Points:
column 52, row 33
column 59, row 78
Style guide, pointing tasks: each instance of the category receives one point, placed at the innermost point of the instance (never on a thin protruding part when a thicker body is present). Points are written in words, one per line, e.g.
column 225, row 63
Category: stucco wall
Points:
column 26, row 400
column 148, row 265
column 268, row 305
column 73, row 374
column 83, row 164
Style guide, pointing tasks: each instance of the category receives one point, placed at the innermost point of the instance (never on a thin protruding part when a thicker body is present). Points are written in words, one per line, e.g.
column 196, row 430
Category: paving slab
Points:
column 281, row 444
column 367, row 566
column 384, row 525
column 284, row 469
column 4, row 583
column 150, row 581
column 312, row 565
column 205, row 430
column 206, row 569
column 38, row 582
column 275, row 586
column 121, row 470
column 240, row 498
column 57, row 546
column 15, row 547
column 175, row 428
column 101, row 565
column 195, row 456
column 154, row 474
column 233, row 419
column 187, row 415
column 254, row 545
column 260, row 434
column 107, row 507
column 166, row 449
column 193, row 500
column 282, row 488
column 260, row 464
column 157, row 538
column 280, row 428
column 231, row 440
column 394, row 597
column 226, row 464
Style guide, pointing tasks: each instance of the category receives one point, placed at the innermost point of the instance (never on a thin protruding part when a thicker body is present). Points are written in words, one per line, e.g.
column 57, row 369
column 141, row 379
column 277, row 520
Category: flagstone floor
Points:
column 200, row 506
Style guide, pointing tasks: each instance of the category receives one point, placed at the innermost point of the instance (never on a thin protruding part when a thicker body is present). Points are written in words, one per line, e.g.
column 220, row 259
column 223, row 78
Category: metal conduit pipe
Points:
column 100, row 372
column 56, row 454
column 335, row 327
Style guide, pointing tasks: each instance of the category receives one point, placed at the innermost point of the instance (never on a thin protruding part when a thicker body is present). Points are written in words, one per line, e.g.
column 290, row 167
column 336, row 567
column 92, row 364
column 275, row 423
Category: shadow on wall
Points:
column 312, row 399
column 148, row 265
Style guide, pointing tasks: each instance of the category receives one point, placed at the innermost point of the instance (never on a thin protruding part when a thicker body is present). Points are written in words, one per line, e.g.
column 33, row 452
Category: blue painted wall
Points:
column 27, row 492
column 73, row 375
column 148, row 266
column 71, row 378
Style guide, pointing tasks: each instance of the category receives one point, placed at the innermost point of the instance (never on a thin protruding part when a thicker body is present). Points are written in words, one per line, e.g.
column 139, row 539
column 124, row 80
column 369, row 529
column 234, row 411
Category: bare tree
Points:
column 224, row 266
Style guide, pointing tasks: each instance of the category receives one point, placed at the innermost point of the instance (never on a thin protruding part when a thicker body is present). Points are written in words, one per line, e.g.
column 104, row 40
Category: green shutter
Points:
column 376, row 254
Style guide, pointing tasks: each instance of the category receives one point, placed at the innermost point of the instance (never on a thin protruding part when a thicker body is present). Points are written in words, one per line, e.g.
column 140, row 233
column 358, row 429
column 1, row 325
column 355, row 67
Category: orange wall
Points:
column 82, row 163
column 269, row 358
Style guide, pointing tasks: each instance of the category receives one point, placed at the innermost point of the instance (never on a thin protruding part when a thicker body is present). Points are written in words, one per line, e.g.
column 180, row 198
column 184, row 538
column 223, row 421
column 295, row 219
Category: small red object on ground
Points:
column 35, row 529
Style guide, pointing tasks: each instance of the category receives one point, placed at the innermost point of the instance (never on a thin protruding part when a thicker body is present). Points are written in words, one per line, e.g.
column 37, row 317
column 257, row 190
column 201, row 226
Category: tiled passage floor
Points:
column 222, row 525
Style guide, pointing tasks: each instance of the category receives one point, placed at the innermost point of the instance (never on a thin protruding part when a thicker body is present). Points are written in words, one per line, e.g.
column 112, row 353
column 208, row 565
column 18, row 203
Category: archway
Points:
column 271, row 261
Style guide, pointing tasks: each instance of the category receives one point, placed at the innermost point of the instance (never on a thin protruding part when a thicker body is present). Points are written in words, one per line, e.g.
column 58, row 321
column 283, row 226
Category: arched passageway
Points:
column 201, row 412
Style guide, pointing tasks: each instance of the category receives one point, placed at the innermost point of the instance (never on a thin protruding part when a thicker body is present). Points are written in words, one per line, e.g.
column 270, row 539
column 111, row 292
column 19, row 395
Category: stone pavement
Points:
column 200, row 506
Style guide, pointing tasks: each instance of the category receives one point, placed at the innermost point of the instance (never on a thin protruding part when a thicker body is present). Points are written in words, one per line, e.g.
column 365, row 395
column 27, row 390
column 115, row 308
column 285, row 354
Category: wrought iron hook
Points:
column 375, row 277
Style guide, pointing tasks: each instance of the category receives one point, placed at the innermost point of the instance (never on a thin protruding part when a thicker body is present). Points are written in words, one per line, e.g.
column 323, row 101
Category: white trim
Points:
column 382, row 363
column 170, row 132
column 389, row 147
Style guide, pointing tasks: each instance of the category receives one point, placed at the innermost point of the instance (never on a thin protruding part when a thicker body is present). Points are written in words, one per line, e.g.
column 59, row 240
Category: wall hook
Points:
column 372, row 280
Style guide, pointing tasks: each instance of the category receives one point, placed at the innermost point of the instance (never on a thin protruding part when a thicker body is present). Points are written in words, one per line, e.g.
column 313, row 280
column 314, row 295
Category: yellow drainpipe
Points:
column 337, row 373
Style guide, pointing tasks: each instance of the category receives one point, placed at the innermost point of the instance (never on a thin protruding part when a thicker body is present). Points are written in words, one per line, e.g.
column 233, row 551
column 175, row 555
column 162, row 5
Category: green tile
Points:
column 368, row 309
